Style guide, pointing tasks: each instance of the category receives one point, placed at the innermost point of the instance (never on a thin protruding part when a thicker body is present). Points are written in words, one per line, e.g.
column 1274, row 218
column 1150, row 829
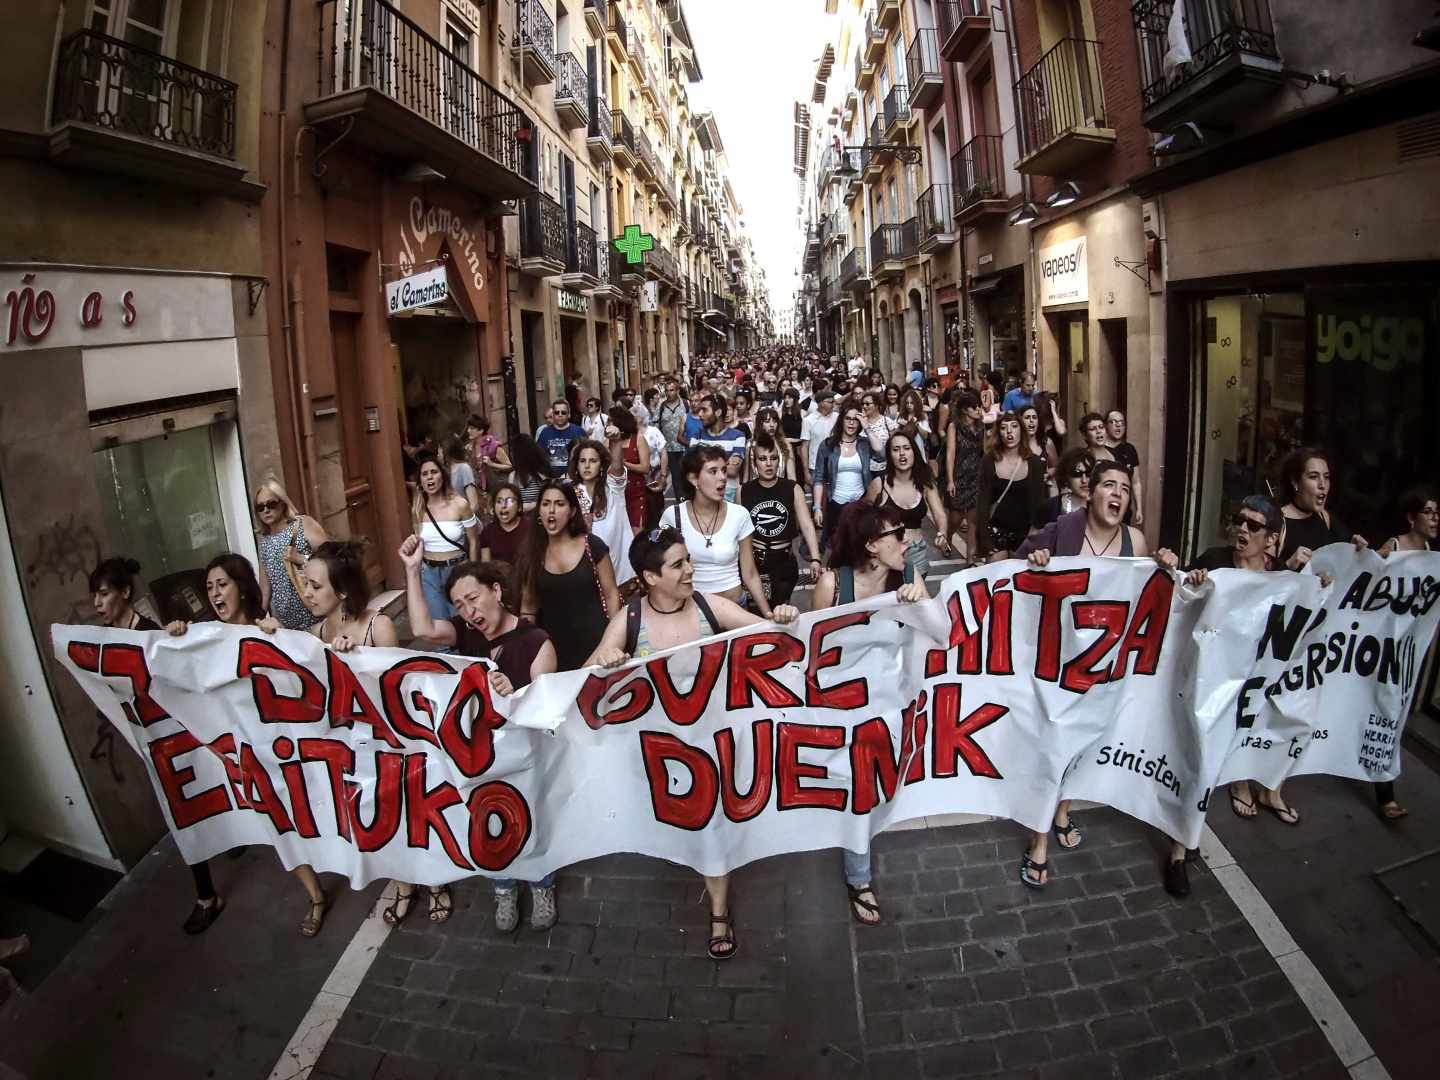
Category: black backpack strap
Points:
column 704, row 606
column 632, row 624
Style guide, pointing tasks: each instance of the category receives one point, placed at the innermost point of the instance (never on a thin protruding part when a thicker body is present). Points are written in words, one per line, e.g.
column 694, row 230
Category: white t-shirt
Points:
column 656, row 441
column 717, row 566
column 815, row 429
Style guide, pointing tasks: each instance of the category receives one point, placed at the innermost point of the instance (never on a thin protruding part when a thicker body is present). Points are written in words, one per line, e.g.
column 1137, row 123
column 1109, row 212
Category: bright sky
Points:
column 758, row 57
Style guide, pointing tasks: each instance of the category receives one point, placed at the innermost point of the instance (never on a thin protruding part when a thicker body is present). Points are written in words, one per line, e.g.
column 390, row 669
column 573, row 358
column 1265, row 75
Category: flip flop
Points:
column 1393, row 811
column 1040, row 868
column 863, row 905
column 1287, row 814
column 1068, row 835
column 1236, row 803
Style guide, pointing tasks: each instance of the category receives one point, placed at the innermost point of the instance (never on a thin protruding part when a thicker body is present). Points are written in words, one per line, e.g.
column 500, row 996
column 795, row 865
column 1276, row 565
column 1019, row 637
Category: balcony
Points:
column 922, row 70
column 408, row 99
column 581, row 259
column 854, row 273
column 887, row 13
column 837, row 228
column 645, row 159
column 617, row 33
column 935, row 212
column 572, row 93
column 598, row 134
column 875, row 38
column 125, row 109
column 534, row 42
column 622, row 137
column 872, row 162
column 964, row 25
column 978, row 171
column 544, row 245
column 1061, row 103
column 886, row 260
column 605, row 270
column 865, row 69
column 1234, row 61
column 897, row 110
column 595, row 16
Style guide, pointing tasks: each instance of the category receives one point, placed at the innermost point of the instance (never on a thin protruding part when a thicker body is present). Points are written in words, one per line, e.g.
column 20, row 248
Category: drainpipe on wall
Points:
column 1013, row 53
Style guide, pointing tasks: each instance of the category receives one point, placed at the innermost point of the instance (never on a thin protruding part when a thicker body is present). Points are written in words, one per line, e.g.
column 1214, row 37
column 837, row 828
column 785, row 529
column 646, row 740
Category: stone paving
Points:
column 1101, row 974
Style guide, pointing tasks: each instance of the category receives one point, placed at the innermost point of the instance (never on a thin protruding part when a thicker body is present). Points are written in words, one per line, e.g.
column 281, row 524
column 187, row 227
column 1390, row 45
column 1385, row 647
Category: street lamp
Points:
column 1023, row 214
column 904, row 153
column 1064, row 195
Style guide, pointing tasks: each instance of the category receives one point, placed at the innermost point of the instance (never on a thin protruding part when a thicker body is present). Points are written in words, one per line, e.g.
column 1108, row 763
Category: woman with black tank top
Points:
column 908, row 485
column 670, row 614
column 1309, row 524
column 112, row 594
column 778, row 512
column 868, row 558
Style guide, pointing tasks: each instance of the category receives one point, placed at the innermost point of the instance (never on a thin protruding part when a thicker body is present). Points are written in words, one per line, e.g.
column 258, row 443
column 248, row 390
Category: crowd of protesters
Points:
column 701, row 505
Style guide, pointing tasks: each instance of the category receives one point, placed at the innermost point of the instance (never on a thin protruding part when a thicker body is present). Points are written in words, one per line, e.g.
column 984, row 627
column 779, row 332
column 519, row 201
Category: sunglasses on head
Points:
column 271, row 504
column 1240, row 521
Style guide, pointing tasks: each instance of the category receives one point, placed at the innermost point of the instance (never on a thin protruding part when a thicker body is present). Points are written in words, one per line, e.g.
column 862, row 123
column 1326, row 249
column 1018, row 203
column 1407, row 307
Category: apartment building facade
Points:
column 139, row 406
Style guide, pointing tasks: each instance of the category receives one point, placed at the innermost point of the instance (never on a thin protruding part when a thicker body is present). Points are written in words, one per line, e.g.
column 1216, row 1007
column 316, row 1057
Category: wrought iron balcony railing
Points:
column 599, row 127
column 580, row 258
column 542, row 230
column 112, row 84
column 978, row 171
column 960, row 25
column 852, row 266
column 1060, row 93
column 922, row 60
column 375, row 47
column 535, row 29
column 897, row 106
column 885, row 245
column 935, row 211
column 1215, row 30
column 622, row 135
column 572, row 86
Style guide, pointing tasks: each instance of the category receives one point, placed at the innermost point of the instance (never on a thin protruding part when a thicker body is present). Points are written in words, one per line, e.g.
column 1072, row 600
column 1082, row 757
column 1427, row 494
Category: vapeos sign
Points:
column 1064, row 274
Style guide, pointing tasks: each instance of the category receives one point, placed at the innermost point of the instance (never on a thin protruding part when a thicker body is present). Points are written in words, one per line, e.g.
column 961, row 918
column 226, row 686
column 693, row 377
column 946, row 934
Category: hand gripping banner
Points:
column 1108, row 680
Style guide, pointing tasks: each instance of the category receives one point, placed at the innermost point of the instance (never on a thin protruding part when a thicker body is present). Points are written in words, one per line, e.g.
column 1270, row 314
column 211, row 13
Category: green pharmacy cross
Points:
column 634, row 244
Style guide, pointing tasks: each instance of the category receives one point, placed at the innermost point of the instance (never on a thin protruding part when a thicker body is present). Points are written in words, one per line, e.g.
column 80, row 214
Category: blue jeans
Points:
column 509, row 884
column 437, row 599
column 857, row 868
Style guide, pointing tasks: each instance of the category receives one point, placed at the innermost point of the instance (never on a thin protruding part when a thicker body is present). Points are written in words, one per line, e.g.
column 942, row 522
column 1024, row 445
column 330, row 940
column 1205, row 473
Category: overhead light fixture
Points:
column 1064, row 195
column 1188, row 136
column 420, row 173
column 1023, row 214
column 1429, row 37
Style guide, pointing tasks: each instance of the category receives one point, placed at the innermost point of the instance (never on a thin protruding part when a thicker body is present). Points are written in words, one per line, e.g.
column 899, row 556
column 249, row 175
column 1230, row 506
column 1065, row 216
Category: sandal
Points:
column 441, row 904
column 1243, row 810
column 718, row 945
column 310, row 925
column 203, row 914
column 1285, row 812
column 859, row 907
column 1069, row 835
column 394, row 915
column 1393, row 811
column 1041, row 872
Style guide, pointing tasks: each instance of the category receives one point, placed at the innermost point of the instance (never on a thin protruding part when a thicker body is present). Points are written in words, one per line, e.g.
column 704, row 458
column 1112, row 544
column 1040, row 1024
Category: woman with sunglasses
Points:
column 844, row 468
column 878, row 427
column 501, row 538
column 1011, row 491
column 1073, row 476
column 964, row 447
column 600, row 489
column 234, row 596
column 566, row 579
column 112, row 595
column 673, row 612
column 285, row 539
column 869, row 558
column 908, row 488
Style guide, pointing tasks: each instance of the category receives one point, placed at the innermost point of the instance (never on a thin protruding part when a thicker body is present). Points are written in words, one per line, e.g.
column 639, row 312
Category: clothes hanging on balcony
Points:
column 1178, row 41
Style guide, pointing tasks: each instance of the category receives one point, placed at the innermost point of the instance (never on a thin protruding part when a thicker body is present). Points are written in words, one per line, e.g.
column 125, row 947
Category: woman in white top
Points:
column 601, row 491
column 717, row 533
column 448, row 529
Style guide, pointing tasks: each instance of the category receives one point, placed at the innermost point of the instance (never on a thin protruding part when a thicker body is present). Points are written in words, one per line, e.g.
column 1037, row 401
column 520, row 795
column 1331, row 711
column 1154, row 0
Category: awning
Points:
column 985, row 283
column 707, row 326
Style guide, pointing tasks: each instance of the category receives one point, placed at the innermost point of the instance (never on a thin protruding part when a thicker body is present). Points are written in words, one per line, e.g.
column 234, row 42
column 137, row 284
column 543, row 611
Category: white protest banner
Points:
column 1102, row 679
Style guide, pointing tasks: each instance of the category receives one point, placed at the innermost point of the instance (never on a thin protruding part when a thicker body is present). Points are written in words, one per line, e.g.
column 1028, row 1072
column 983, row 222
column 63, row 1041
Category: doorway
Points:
column 1115, row 339
column 531, row 327
column 359, row 509
column 1073, row 334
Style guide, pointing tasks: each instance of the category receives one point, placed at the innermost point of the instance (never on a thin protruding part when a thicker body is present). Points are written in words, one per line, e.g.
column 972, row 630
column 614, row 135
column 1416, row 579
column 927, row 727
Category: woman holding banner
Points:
column 566, row 578
column 112, row 593
column 234, row 595
column 718, row 532
column 486, row 626
column 1098, row 530
column 907, row 479
column 672, row 613
column 868, row 558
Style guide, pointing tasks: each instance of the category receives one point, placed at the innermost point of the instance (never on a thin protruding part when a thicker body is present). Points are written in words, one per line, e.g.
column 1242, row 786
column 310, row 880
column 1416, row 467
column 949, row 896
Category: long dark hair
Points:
column 997, row 451
column 527, row 459
column 532, row 555
column 238, row 569
column 860, row 525
column 343, row 562
column 600, row 499
column 920, row 473
column 837, row 433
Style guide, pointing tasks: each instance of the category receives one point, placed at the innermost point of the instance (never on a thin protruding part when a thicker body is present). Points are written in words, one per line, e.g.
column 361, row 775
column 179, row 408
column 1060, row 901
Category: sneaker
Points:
column 543, row 912
column 507, row 910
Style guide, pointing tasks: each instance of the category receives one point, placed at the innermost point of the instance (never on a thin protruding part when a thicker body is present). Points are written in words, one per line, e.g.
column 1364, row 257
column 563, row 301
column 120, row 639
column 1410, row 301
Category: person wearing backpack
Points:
column 671, row 613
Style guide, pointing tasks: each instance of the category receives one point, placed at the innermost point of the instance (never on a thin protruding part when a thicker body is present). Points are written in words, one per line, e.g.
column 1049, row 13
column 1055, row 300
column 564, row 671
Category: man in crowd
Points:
column 715, row 432
column 1020, row 397
column 556, row 436
column 818, row 425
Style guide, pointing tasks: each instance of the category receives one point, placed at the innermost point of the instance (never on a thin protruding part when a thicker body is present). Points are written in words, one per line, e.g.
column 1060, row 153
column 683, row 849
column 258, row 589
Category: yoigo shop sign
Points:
column 1384, row 342
column 1064, row 273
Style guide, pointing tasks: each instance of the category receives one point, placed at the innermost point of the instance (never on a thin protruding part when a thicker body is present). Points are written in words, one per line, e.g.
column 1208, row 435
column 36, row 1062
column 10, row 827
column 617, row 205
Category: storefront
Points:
column 1344, row 359
column 997, row 320
column 138, row 418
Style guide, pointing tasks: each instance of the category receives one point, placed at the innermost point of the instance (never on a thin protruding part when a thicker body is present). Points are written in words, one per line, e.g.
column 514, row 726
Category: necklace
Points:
column 658, row 611
column 1106, row 548
column 709, row 533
